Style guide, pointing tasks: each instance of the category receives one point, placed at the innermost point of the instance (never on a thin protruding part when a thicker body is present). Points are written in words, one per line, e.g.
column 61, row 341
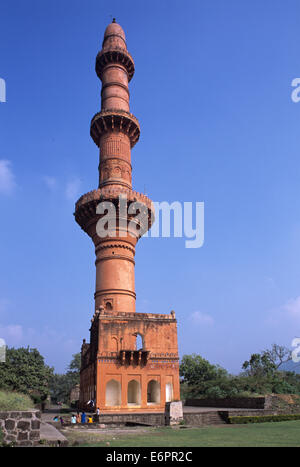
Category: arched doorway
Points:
column 134, row 393
column 113, row 393
column 169, row 392
column 153, row 392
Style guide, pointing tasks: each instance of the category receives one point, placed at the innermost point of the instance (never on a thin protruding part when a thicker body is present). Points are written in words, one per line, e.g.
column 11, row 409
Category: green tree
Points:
column 259, row 365
column 202, row 379
column 196, row 370
column 278, row 354
column 75, row 363
column 61, row 384
column 267, row 362
column 73, row 373
column 25, row 371
column 262, row 373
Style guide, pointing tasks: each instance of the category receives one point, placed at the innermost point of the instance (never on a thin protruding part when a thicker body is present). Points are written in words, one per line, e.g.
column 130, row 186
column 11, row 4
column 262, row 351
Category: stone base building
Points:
column 131, row 362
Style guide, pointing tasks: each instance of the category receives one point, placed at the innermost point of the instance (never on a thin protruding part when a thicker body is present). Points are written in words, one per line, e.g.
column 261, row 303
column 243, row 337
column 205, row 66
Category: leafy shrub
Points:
column 201, row 379
column 37, row 399
column 15, row 401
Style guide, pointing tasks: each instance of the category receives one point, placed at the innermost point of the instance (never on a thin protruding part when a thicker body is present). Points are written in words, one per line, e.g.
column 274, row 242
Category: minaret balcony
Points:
column 134, row 357
column 110, row 120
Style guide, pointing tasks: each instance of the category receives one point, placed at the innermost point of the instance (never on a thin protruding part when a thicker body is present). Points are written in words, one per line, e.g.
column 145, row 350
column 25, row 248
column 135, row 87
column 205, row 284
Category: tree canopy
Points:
column 261, row 375
column 25, row 371
column 61, row 384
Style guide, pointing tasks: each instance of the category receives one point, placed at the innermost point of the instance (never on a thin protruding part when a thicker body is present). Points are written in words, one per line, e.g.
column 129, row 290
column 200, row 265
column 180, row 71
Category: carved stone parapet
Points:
column 134, row 357
column 115, row 119
column 116, row 55
column 85, row 208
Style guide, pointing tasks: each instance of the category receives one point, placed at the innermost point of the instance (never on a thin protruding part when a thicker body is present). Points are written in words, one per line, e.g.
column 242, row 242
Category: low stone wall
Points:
column 204, row 418
column 220, row 417
column 283, row 403
column 286, row 403
column 150, row 419
column 21, row 427
column 257, row 403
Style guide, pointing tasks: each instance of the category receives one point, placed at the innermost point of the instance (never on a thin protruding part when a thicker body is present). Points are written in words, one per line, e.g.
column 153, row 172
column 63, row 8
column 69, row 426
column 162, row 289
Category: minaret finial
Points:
column 114, row 20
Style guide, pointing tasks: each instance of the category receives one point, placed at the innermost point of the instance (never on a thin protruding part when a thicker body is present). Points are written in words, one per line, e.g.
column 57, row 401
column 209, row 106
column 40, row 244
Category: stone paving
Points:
column 49, row 432
column 52, row 435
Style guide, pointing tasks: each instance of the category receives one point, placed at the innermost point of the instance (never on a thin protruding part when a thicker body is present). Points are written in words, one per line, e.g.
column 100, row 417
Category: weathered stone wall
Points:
column 288, row 403
column 21, row 427
column 75, row 393
column 283, row 403
column 204, row 418
column 154, row 419
column 219, row 417
column 173, row 413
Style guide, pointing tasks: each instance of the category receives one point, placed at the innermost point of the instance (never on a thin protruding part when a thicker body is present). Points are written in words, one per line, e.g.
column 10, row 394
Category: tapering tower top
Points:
column 115, row 68
column 115, row 131
column 114, row 50
column 114, row 36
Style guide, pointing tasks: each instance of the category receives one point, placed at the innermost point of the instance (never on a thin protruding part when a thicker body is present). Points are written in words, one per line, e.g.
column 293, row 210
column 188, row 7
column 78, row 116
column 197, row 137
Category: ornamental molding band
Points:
column 131, row 363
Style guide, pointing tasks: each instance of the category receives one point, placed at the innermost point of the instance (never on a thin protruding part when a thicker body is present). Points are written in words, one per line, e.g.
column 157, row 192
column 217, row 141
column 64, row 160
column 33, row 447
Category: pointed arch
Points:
column 169, row 392
column 139, row 341
column 113, row 393
column 153, row 392
column 134, row 393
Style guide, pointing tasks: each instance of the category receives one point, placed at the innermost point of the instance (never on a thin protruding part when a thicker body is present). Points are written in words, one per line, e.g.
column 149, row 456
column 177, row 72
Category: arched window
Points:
column 153, row 392
column 113, row 393
column 169, row 392
column 108, row 306
column 139, row 343
column 134, row 393
column 114, row 344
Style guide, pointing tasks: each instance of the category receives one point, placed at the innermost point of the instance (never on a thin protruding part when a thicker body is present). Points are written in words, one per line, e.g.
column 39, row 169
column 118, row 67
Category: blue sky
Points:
column 212, row 91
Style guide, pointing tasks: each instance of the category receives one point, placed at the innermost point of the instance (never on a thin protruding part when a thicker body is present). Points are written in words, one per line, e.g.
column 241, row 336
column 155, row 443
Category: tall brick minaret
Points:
column 131, row 362
column 115, row 131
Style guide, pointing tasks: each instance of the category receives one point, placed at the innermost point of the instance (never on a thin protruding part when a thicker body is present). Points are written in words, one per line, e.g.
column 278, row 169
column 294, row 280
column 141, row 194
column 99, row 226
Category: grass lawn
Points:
column 264, row 434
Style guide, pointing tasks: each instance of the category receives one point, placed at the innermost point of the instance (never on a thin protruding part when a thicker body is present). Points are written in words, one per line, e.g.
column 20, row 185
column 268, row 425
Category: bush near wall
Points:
column 10, row 400
column 263, row 418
